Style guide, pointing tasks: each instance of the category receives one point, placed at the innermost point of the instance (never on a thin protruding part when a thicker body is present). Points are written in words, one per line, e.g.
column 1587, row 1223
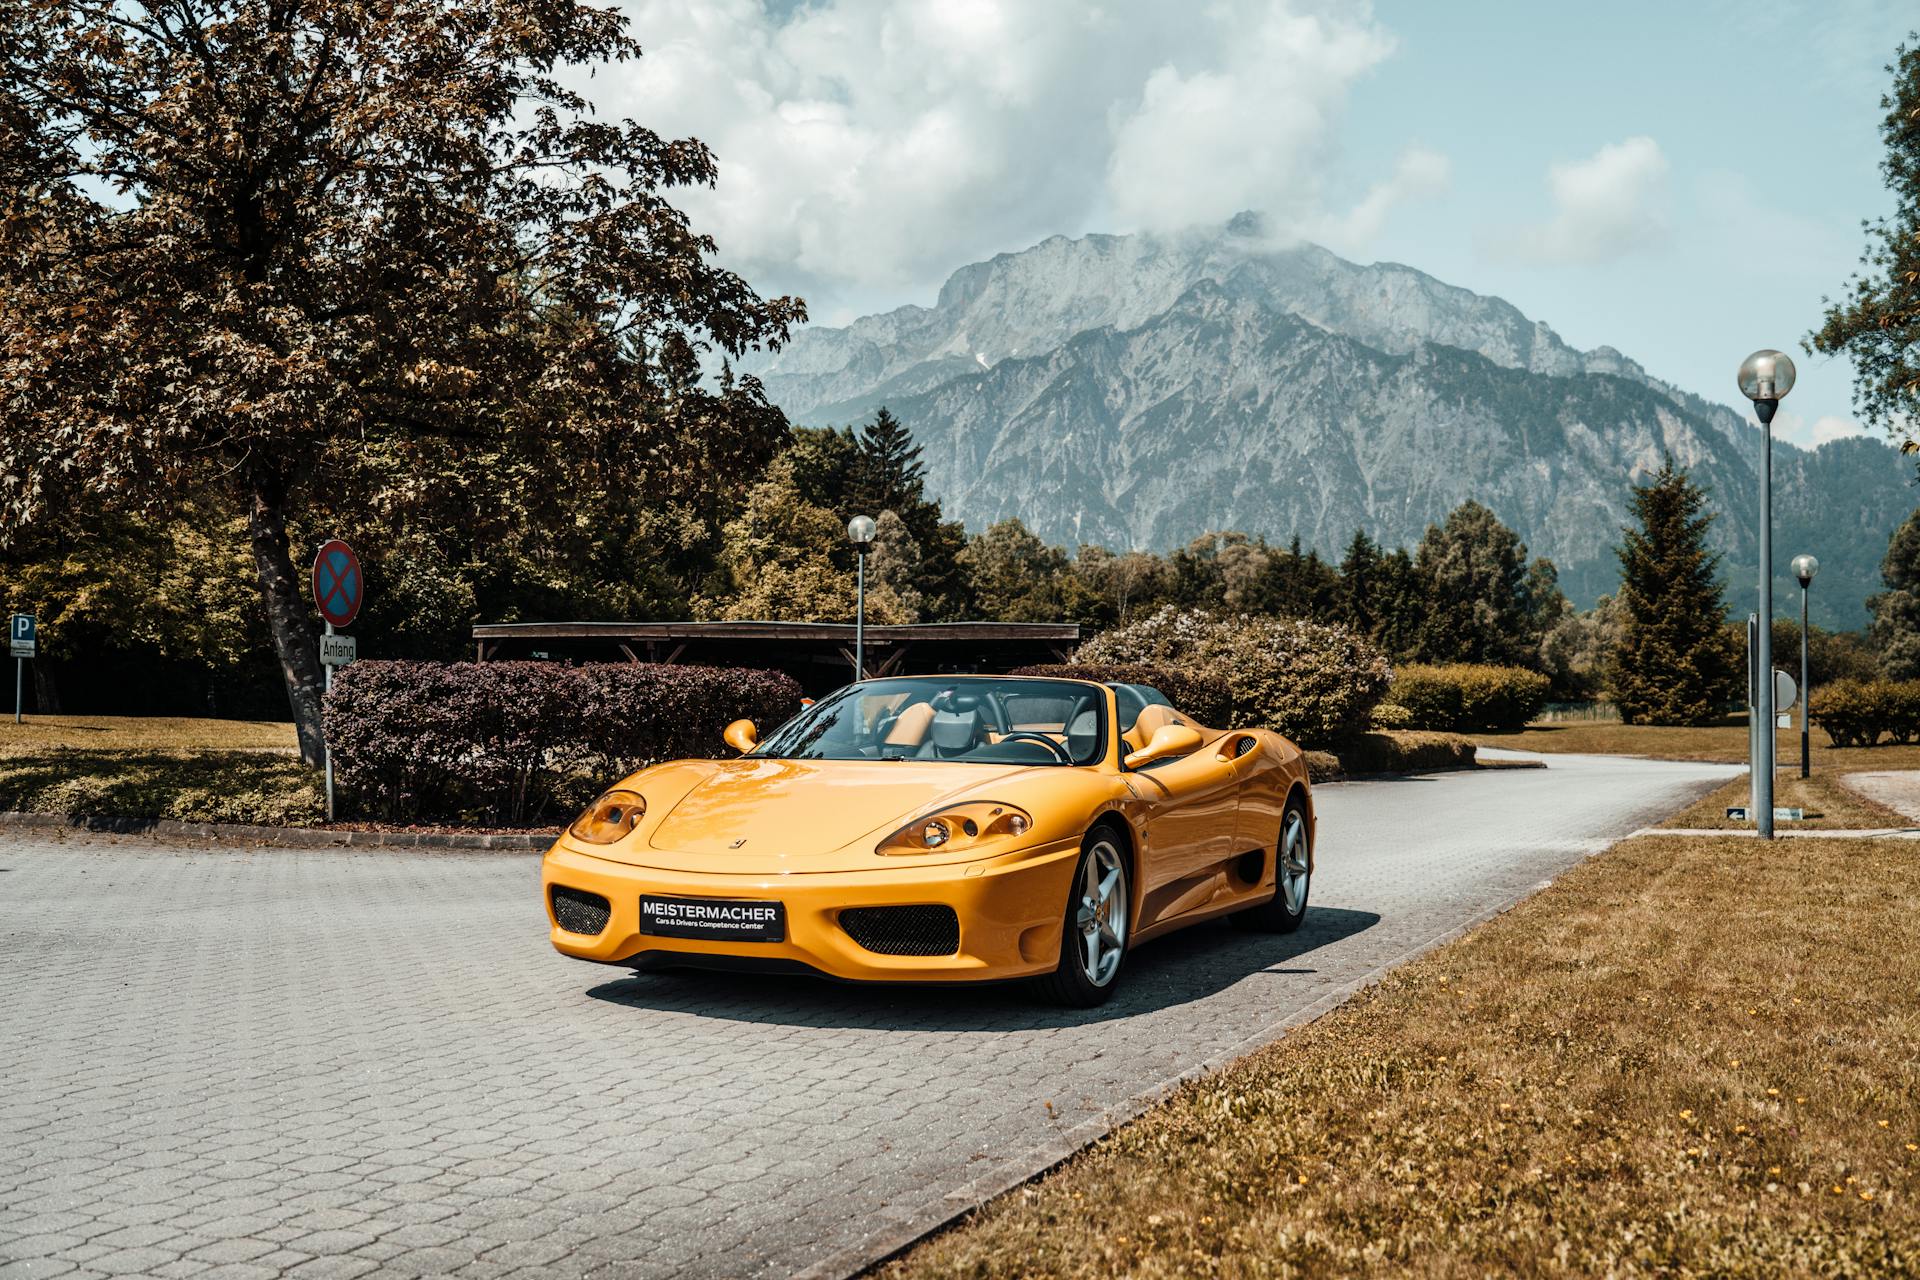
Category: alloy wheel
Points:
column 1293, row 863
column 1102, row 915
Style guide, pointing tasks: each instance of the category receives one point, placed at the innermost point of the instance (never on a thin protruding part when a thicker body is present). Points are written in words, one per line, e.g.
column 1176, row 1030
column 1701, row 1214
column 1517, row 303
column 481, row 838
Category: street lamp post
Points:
column 1804, row 567
column 1765, row 376
column 860, row 534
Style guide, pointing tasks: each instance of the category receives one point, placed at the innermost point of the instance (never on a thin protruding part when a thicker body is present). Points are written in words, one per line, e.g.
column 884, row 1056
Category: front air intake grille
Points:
column 904, row 931
column 579, row 911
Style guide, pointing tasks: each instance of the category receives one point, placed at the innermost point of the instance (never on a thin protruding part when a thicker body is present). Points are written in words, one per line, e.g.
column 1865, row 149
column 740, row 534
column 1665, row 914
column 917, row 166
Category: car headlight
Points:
column 981, row 822
column 610, row 817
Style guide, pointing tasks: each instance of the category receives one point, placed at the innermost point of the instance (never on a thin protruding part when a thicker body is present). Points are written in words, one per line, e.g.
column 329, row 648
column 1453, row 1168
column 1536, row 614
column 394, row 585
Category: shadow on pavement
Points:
column 1183, row 967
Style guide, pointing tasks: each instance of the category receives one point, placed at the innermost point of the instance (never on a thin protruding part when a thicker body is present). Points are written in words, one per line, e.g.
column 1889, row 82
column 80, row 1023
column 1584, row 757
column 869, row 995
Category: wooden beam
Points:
column 971, row 632
column 628, row 650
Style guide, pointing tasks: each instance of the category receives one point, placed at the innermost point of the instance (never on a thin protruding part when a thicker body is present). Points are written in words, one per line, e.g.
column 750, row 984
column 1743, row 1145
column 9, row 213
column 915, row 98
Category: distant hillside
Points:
column 1137, row 391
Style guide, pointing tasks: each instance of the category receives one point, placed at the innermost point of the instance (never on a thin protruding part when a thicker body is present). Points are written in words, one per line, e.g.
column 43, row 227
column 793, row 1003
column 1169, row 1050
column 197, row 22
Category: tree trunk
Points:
column 294, row 637
column 46, row 689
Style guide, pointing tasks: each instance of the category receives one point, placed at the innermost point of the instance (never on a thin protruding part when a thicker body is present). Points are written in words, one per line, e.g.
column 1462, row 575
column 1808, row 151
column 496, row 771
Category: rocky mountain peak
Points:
column 1140, row 390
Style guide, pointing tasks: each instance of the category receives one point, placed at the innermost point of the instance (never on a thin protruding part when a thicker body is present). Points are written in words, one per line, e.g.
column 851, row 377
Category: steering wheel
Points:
column 1059, row 752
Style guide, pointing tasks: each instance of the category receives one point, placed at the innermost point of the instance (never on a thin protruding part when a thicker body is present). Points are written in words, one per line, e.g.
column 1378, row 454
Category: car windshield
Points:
column 977, row 719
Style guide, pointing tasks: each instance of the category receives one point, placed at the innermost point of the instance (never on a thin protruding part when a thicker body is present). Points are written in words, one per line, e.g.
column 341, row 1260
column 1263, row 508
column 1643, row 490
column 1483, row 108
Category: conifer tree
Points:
column 891, row 475
column 1673, row 664
column 1361, row 580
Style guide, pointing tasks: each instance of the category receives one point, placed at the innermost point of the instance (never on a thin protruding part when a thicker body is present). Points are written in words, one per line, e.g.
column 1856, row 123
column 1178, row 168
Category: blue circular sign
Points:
column 337, row 588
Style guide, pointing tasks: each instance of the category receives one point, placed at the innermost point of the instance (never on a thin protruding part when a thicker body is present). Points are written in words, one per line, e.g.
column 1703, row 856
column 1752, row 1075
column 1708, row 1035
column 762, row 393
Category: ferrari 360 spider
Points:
column 942, row 829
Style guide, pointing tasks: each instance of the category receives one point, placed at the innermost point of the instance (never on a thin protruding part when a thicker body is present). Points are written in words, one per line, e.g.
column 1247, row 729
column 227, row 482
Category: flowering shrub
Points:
column 1203, row 698
column 511, row 742
column 1856, row 713
column 1463, row 697
column 1390, row 715
column 1312, row 681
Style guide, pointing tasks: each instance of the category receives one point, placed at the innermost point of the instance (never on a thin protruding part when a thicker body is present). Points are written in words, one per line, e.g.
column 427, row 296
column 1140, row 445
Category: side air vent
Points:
column 904, row 931
column 579, row 911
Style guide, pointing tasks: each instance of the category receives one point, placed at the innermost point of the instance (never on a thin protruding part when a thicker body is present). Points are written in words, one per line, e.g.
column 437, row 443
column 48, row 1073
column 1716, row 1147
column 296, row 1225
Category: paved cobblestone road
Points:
column 263, row 1063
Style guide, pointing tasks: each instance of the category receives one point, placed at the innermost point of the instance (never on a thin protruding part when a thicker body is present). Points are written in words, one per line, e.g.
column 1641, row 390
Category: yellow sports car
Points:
column 942, row 828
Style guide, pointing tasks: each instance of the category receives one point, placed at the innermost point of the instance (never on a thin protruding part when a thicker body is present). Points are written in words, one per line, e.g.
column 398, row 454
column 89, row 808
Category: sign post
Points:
column 23, row 641
column 337, row 591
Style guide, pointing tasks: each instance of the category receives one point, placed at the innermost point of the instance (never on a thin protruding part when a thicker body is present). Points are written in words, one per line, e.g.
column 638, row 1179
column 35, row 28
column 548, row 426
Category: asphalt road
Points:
column 261, row 1063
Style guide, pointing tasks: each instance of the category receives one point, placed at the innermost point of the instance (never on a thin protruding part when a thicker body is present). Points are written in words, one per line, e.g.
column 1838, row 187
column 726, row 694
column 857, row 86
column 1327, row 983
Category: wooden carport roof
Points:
column 978, row 645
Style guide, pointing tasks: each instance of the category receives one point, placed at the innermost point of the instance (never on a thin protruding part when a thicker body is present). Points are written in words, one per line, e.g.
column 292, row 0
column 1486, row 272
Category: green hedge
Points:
column 515, row 742
column 1314, row 682
column 1203, row 698
column 1464, row 698
column 1858, row 713
column 1406, row 752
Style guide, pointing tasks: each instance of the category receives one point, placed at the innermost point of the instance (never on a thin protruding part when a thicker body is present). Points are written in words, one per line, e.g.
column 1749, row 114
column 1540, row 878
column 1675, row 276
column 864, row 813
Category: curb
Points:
column 1747, row 833
column 277, row 837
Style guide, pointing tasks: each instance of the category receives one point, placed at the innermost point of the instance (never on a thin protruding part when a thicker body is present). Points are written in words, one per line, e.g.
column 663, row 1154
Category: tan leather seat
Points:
column 910, row 730
column 1152, row 717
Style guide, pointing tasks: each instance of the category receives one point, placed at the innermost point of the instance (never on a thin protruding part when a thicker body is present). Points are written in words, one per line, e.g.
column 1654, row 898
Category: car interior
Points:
column 977, row 719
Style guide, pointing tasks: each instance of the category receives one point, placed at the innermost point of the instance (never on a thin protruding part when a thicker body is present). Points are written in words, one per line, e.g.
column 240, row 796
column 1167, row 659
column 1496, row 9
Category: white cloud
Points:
column 1420, row 172
column 1609, row 205
column 868, row 147
column 1834, row 427
column 1248, row 128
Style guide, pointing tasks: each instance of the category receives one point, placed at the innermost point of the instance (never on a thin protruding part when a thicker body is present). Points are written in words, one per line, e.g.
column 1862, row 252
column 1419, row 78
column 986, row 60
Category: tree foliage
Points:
column 245, row 243
column 1877, row 323
column 1895, row 630
column 1483, row 602
column 1673, row 664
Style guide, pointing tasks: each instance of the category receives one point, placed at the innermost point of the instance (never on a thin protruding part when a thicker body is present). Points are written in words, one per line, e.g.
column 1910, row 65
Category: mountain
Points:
column 1139, row 390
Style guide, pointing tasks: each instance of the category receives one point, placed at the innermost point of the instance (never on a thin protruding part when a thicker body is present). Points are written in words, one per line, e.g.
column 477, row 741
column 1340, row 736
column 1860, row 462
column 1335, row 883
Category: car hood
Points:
column 754, row 815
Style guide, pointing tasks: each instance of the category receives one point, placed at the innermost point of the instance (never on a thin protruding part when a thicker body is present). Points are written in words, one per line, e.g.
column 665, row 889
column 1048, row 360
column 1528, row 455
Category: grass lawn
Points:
column 144, row 733
column 1829, row 806
column 1688, row 1056
column 1726, row 742
column 193, row 770
column 262, row 787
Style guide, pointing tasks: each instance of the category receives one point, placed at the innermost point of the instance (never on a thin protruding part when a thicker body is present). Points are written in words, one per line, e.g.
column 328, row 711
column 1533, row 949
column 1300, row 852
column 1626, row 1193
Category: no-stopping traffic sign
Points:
column 337, row 586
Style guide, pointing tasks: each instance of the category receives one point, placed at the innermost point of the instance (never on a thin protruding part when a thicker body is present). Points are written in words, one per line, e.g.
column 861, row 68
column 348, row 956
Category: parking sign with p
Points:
column 22, row 636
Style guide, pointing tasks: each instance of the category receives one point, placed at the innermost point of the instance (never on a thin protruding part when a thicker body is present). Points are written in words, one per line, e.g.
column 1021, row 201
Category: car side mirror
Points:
column 742, row 736
column 1168, row 740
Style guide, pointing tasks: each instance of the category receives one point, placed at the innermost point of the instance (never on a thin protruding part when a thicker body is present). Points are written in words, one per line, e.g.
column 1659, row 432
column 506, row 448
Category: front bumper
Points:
column 1010, row 909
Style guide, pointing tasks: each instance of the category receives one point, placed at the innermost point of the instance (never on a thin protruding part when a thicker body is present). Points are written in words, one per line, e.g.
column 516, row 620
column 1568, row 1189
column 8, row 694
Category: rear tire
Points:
column 1287, row 909
column 1097, row 925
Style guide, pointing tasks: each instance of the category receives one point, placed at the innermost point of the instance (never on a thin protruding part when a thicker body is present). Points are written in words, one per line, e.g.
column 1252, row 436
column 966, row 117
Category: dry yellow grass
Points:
column 1687, row 1057
column 143, row 733
column 1828, row 805
column 1725, row 742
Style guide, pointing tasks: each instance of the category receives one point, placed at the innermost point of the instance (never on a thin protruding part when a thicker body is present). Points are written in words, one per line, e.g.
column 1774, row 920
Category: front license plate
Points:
column 715, row 919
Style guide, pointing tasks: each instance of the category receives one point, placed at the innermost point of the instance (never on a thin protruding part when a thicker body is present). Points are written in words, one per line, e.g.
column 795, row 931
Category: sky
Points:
column 1683, row 182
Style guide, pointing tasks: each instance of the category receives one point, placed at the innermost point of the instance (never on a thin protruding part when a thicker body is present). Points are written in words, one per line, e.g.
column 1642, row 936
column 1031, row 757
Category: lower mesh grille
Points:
column 579, row 911
column 904, row 931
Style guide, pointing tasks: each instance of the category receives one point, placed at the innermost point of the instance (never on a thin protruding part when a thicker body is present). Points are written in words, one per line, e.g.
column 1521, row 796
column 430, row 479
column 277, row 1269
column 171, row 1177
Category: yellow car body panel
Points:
column 806, row 833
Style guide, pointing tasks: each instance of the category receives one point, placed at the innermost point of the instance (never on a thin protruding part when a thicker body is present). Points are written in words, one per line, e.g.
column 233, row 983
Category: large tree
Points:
column 1895, row 632
column 1480, row 593
column 1672, row 664
column 244, row 242
column 1877, row 323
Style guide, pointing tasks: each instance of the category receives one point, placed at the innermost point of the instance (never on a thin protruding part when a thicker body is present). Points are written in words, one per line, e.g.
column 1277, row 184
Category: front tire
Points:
column 1287, row 909
column 1096, row 927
